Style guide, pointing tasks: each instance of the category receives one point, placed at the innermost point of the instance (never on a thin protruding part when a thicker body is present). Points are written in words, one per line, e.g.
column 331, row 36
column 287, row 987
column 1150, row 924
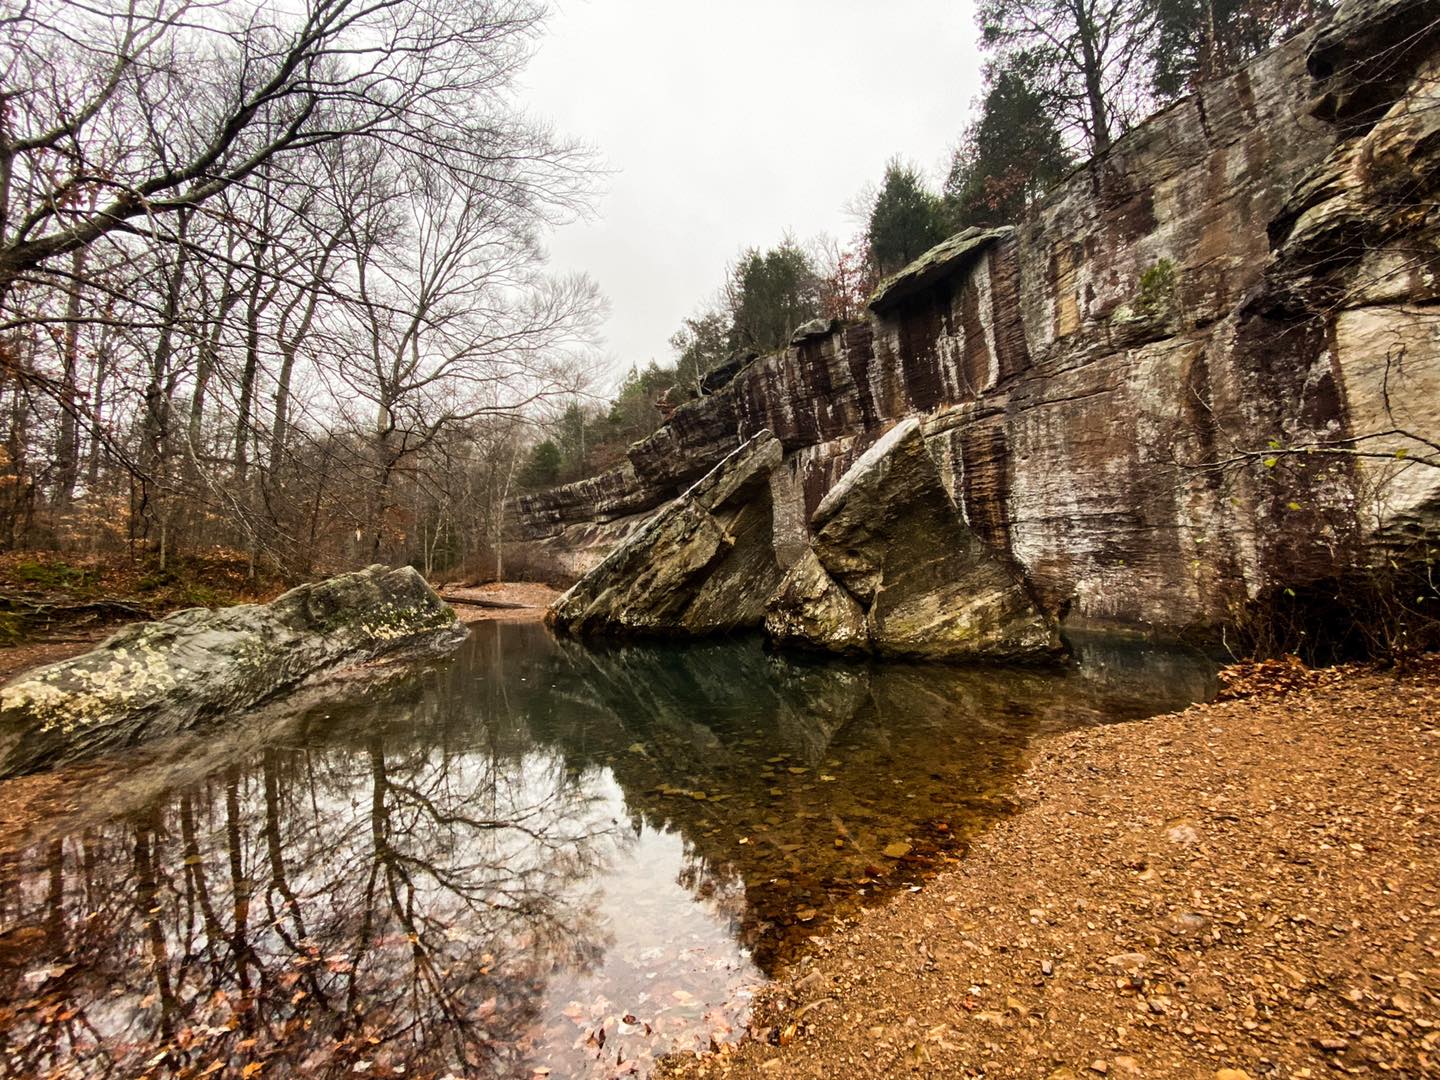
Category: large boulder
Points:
column 897, row 572
column 704, row 564
column 161, row 678
column 812, row 610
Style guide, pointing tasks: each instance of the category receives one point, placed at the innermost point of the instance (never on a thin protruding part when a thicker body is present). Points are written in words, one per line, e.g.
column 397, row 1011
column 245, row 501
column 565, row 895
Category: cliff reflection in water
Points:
column 533, row 854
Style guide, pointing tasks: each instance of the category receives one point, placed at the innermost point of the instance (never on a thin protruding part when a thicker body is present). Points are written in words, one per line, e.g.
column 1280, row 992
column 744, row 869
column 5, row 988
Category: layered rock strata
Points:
column 158, row 679
column 1202, row 371
column 895, row 571
column 704, row 564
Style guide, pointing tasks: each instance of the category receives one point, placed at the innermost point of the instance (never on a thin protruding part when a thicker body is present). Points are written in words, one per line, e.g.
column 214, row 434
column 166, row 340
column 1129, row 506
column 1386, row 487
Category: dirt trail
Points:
column 522, row 600
column 1250, row 888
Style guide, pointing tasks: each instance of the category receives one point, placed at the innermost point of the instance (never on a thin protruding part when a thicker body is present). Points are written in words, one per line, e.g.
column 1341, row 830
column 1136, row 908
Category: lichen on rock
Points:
column 811, row 610
column 160, row 678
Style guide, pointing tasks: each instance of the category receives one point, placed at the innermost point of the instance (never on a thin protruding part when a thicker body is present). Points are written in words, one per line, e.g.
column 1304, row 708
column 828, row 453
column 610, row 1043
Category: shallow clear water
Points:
column 529, row 855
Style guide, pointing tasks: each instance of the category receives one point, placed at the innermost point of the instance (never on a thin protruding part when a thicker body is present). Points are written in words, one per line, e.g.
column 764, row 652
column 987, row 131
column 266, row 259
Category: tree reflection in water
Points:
column 534, row 854
column 389, row 903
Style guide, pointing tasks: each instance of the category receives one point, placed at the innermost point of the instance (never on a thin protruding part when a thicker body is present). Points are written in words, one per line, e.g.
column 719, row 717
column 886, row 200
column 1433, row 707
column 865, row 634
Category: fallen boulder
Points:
column 157, row 679
column 704, row 564
column 812, row 610
column 896, row 572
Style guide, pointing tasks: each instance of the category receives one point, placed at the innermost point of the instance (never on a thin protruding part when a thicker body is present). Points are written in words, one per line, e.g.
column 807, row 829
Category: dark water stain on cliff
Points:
column 533, row 855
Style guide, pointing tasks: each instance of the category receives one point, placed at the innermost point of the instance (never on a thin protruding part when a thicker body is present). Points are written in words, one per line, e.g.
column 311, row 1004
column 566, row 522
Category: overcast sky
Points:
column 727, row 123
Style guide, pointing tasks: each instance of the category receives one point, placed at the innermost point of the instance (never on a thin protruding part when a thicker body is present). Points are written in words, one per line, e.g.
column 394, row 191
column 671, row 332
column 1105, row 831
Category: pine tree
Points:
column 1010, row 156
column 906, row 219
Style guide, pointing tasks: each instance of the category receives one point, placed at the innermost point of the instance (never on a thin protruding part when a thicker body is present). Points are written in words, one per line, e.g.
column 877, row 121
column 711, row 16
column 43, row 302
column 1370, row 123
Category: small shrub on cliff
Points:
column 1157, row 288
column 1389, row 612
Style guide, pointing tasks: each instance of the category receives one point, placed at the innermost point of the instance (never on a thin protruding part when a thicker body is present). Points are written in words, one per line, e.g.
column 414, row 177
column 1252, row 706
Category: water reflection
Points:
column 534, row 855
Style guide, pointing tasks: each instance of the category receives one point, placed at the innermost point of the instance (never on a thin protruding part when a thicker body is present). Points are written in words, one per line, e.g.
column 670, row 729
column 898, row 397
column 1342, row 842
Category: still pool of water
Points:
column 530, row 855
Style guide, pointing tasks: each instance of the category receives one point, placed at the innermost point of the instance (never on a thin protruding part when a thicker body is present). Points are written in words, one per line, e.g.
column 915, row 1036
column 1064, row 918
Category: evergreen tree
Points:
column 1199, row 40
column 1009, row 157
column 906, row 219
column 542, row 467
column 771, row 293
column 633, row 414
column 573, row 437
column 701, row 343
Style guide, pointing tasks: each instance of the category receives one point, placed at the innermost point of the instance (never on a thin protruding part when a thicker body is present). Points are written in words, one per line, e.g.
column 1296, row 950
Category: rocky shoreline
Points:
column 1241, row 889
column 152, row 680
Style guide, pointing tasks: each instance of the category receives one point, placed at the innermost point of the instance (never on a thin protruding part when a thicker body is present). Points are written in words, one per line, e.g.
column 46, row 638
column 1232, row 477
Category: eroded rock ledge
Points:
column 1144, row 396
column 892, row 569
column 157, row 679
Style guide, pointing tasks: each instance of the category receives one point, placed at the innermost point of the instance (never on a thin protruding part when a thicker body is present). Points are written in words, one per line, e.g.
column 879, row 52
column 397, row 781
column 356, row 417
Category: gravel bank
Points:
column 1252, row 885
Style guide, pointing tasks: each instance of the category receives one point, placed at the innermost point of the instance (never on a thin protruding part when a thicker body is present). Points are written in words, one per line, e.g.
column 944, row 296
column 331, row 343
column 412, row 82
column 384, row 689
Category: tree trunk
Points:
column 247, row 380
column 159, row 392
column 97, row 413
column 67, row 445
column 1094, row 85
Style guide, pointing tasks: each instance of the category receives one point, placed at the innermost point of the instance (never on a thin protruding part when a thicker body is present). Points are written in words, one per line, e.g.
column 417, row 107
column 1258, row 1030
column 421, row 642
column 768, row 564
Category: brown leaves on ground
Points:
column 1274, row 678
column 214, row 575
column 1245, row 889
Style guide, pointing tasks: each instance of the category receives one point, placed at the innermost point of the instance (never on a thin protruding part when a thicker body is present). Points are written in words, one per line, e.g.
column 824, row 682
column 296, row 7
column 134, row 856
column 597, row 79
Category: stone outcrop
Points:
column 811, row 610
column 895, row 571
column 704, row 564
column 157, row 679
column 1198, row 373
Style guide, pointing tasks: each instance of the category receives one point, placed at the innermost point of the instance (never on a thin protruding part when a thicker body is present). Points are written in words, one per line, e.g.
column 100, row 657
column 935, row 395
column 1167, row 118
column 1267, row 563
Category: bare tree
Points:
column 1087, row 58
column 263, row 260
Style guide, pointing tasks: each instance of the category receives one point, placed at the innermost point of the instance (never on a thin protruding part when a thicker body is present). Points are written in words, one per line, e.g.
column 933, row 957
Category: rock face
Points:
column 812, row 611
column 706, row 563
column 161, row 678
column 895, row 571
column 1148, row 394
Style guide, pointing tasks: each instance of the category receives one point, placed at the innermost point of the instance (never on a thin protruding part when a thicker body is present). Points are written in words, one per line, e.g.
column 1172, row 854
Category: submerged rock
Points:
column 161, row 678
column 897, row 572
column 705, row 563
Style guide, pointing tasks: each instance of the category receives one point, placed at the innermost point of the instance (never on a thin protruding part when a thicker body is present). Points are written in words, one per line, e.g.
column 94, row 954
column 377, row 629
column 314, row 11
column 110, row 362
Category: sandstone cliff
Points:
column 1204, row 369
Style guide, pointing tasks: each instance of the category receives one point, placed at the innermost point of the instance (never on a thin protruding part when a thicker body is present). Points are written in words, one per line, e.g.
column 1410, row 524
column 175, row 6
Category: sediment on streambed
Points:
column 1174, row 898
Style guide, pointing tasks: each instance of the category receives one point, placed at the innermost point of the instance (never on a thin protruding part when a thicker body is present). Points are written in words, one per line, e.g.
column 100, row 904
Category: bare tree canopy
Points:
column 266, row 272
column 117, row 117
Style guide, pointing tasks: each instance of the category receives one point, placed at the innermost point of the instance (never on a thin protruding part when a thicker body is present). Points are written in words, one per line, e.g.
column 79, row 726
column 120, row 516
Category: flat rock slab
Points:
column 704, row 564
column 157, row 679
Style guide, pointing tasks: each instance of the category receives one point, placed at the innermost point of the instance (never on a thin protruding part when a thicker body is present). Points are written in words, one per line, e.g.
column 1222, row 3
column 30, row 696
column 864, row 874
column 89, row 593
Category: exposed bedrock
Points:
column 705, row 563
column 158, row 679
column 896, row 571
column 1201, row 371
